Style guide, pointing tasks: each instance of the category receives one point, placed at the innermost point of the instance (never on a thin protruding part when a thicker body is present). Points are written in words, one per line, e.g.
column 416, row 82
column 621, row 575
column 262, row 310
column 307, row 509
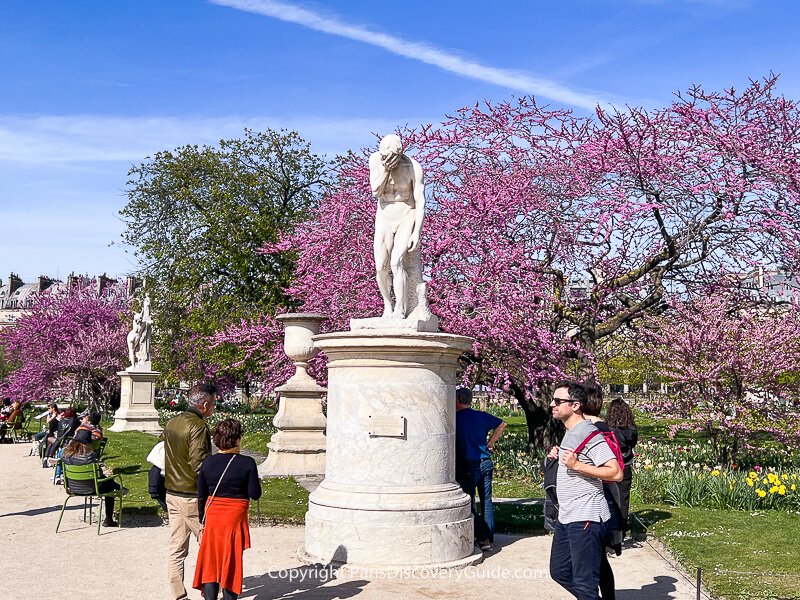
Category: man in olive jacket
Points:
column 187, row 442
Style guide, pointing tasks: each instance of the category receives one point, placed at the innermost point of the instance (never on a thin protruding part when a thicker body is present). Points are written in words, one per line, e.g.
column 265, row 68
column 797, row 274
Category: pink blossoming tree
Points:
column 739, row 368
column 547, row 232
column 70, row 345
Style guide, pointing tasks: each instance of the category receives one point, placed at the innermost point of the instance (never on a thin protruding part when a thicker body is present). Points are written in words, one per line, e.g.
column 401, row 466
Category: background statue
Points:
column 396, row 182
column 139, row 336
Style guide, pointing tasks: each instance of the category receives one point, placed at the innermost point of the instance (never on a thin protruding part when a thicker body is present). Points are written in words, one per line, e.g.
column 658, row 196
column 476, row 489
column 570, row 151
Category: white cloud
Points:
column 97, row 138
column 515, row 80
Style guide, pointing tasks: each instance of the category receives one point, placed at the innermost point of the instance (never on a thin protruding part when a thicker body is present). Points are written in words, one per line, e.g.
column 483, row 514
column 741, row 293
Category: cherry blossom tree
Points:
column 70, row 344
column 548, row 232
column 739, row 368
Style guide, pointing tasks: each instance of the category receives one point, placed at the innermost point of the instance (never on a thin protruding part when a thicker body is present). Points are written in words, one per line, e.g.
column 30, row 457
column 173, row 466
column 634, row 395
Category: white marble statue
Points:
column 397, row 183
column 139, row 337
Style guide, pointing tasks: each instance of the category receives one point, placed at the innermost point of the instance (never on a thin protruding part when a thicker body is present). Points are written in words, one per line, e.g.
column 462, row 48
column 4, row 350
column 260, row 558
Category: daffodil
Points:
column 715, row 473
column 761, row 493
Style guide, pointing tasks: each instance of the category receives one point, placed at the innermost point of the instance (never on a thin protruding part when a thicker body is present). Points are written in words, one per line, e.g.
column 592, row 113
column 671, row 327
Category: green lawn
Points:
column 283, row 500
column 720, row 541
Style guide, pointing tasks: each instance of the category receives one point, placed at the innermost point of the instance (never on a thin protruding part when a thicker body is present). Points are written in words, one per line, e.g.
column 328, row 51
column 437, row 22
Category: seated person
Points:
column 66, row 429
column 14, row 420
column 51, row 420
column 6, row 409
column 91, row 423
column 81, row 452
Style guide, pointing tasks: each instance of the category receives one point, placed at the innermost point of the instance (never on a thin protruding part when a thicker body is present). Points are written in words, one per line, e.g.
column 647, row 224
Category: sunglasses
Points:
column 559, row 401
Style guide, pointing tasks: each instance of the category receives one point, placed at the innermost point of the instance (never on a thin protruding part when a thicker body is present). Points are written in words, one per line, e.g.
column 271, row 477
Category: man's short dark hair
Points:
column 201, row 393
column 464, row 396
column 577, row 392
column 94, row 418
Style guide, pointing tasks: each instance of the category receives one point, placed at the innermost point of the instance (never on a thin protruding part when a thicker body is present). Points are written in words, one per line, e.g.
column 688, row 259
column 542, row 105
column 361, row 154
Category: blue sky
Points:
column 93, row 87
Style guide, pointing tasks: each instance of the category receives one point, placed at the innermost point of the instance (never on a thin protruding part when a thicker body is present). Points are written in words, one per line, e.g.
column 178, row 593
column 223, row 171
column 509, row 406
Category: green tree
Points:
column 196, row 217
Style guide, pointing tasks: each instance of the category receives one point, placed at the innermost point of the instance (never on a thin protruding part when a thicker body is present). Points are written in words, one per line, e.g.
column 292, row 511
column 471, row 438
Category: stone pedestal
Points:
column 389, row 496
column 137, row 411
column 298, row 447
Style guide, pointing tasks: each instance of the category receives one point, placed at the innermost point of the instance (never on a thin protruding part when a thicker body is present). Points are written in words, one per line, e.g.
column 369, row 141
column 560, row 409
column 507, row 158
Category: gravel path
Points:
column 129, row 563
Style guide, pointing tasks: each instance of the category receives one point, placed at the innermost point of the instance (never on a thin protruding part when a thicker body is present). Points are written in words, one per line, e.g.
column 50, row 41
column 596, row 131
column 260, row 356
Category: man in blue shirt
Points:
column 474, row 465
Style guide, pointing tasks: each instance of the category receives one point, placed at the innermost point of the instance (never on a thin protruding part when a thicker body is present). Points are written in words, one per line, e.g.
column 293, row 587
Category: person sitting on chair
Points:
column 91, row 423
column 81, row 452
column 66, row 428
column 14, row 420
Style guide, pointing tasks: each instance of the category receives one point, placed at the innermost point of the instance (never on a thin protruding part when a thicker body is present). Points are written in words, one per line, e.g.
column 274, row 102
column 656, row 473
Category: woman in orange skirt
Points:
column 225, row 485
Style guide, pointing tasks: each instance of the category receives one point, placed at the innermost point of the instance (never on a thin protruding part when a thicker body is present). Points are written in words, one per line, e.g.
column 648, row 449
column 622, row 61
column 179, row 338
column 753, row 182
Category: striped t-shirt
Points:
column 580, row 498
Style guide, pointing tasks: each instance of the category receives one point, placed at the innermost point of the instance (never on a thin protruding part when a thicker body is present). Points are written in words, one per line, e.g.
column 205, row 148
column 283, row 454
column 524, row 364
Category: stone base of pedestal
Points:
column 137, row 410
column 294, row 456
column 427, row 527
column 297, row 449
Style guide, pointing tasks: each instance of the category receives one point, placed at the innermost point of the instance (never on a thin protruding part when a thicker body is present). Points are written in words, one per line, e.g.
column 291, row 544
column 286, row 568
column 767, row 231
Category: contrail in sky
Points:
column 418, row 51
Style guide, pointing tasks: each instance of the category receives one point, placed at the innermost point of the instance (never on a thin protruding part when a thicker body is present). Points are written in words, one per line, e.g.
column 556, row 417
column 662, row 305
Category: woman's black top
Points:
column 241, row 479
column 627, row 437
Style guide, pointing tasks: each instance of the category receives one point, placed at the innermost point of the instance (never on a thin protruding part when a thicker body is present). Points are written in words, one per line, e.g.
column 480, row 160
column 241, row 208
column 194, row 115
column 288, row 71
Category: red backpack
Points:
column 611, row 439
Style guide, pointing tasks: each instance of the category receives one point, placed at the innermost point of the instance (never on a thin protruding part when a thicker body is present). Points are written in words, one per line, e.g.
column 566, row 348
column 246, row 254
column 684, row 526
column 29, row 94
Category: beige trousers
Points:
column 184, row 520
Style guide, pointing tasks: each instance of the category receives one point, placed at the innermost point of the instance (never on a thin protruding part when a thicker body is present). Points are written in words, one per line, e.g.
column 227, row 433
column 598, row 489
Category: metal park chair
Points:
column 89, row 473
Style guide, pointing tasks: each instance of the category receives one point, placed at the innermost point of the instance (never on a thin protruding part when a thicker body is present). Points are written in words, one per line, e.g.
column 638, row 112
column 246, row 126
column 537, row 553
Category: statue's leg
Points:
column 399, row 274
column 381, row 249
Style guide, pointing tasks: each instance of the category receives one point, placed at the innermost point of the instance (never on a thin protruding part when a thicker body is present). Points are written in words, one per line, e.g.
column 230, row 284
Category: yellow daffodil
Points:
column 793, row 488
column 750, row 482
column 782, row 490
column 715, row 473
column 761, row 493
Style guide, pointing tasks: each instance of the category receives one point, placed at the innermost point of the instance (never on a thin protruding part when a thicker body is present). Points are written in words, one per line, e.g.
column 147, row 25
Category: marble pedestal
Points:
column 298, row 447
column 389, row 497
column 137, row 411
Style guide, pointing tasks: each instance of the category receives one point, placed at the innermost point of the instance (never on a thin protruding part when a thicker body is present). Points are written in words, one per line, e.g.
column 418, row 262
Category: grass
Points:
column 734, row 549
column 283, row 500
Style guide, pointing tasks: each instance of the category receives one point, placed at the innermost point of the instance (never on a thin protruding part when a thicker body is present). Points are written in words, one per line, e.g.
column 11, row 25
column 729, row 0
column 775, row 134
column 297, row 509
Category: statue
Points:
column 139, row 337
column 396, row 182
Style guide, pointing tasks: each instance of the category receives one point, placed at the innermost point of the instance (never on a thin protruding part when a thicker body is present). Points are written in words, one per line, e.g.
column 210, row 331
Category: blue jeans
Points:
column 575, row 557
column 478, row 474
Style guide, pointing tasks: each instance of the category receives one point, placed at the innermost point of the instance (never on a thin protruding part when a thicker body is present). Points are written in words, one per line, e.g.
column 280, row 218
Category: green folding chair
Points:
column 90, row 472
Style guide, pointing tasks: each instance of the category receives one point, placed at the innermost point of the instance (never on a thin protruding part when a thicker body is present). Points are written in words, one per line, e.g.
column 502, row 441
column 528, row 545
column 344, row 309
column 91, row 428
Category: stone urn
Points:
column 298, row 345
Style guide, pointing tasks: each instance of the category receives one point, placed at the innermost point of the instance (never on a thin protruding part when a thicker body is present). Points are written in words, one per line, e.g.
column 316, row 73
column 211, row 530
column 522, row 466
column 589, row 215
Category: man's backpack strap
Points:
column 588, row 439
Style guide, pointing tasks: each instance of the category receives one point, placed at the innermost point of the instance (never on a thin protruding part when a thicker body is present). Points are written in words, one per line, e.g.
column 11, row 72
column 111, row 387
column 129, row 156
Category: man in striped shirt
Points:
column 578, row 540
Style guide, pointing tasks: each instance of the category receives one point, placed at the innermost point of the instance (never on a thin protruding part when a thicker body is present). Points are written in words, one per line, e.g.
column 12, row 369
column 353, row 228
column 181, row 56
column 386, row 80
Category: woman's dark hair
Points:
column 594, row 399
column 620, row 415
column 75, row 448
column 95, row 418
column 227, row 434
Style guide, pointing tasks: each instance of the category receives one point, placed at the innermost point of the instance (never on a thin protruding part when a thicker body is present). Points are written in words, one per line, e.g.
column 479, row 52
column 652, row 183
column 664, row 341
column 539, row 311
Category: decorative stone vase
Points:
column 298, row 345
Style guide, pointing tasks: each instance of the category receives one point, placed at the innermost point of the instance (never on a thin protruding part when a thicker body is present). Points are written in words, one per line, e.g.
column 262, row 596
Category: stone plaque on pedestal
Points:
column 137, row 411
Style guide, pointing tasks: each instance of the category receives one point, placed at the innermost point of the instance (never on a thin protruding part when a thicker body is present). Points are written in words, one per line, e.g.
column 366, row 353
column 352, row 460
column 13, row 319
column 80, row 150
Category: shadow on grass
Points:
column 641, row 520
column 129, row 470
column 519, row 518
